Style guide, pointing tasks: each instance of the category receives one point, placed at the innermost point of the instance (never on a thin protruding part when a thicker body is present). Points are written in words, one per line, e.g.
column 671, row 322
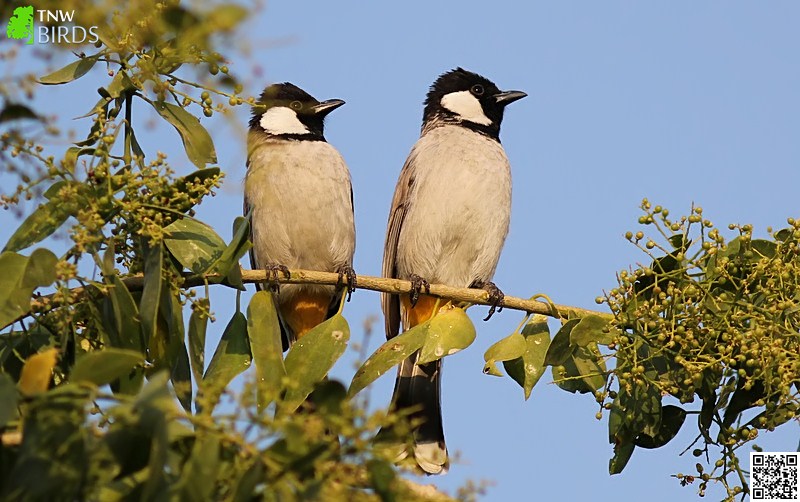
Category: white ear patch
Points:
column 466, row 106
column 282, row 120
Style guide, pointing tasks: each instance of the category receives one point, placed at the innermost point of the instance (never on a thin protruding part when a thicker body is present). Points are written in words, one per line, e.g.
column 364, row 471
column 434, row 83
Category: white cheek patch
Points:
column 282, row 120
column 466, row 106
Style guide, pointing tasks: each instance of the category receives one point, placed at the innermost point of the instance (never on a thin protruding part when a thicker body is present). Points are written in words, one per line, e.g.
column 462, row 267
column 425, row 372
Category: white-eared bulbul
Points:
column 449, row 218
column 300, row 201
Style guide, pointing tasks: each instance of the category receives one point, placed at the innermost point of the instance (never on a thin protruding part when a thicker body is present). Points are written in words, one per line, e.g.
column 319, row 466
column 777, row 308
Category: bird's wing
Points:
column 405, row 185
column 333, row 307
column 247, row 211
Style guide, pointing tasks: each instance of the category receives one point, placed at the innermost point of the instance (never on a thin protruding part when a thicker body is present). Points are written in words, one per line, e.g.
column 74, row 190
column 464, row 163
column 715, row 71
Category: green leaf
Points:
column 125, row 315
column 16, row 111
column 637, row 410
column 528, row 369
column 40, row 269
column 192, row 184
column 510, row 347
column 181, row 378
column 13, row 303
column 54, row 189
column 201, row 470
column 449, row 332
column 100, row 107
column 311, row 358
column 198, row 177
column 45, row 220
column 584, row 371
column 622, row 454
column 72, row 71
column 8, row 400
column 121, row 318
column 228, row 262
column 135, row 146
column 679, row 242
column 763, row 248
column 249, row 481
column 590, row 366
column 742, row 399
column 151, row 294
column 120, row 84
column 198, row 323
column 19, row 277
column 264, row 331
column 389, row 355
column 590, row 329
column 672, row 418
column 619, row 435
column 194, row 244
column 328, row 397
column 568, row 378
column 104, row 366
column 382, row 476
column 560, row 347
column 775, row 417
column 196, row 140
column 231, row 358
column 69, row 162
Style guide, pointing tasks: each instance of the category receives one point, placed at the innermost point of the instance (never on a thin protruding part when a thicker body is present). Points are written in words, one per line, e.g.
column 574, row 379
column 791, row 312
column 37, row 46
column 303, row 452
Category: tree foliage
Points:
column 105, row 388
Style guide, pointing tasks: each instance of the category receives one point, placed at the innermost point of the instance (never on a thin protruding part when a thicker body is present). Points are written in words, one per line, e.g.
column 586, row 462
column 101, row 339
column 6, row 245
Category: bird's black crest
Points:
column 285, row 92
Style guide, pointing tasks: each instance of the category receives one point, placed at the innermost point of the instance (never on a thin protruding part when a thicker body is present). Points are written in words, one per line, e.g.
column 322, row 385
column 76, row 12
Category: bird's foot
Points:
column 495, row 297
column 417, row 285
column 347, row 277
column 273, row 271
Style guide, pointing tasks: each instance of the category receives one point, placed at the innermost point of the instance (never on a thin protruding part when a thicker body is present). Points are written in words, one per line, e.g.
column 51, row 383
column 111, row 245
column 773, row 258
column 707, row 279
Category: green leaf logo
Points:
column 20, row 26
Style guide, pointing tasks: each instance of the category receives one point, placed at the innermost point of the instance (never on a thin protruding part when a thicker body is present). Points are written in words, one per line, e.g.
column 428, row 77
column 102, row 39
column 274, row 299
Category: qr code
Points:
column 773, row 476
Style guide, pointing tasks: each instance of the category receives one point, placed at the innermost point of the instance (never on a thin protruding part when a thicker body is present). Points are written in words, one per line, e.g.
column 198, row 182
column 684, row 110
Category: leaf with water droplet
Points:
column 528, row 369
column 510, row 347
column 450, row 331
column 389, row 355
column 311, row 358
column 264, row 330
column 231, row 358
column 590, row 329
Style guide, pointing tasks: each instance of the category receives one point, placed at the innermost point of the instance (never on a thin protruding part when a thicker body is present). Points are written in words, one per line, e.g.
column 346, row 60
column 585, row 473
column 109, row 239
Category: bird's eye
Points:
column 477, row 90
column 296, row 105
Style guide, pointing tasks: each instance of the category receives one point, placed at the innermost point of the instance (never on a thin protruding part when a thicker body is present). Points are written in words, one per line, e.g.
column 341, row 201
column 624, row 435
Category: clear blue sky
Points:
column 680, row 102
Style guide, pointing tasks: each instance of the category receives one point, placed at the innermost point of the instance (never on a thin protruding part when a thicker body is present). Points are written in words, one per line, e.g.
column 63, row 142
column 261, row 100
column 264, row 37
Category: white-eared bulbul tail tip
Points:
column 447, row 224
column 299, row 197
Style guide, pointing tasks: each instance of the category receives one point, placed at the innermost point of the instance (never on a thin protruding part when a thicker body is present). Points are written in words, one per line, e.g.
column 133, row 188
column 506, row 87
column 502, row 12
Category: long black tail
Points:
column 419, row 387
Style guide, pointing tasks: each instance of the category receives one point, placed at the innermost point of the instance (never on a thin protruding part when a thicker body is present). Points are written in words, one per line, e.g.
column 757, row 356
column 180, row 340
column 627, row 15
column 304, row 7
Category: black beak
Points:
column 326, row 107
column 508, row 97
